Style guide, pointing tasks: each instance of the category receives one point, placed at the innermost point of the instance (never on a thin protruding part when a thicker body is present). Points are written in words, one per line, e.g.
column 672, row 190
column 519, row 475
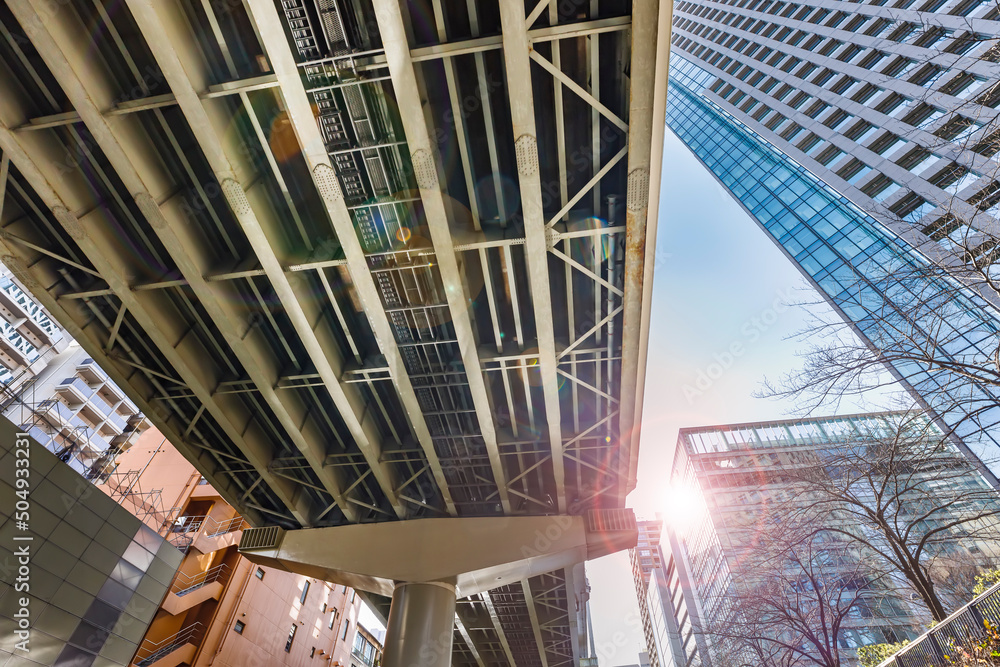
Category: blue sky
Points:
column 718, row 327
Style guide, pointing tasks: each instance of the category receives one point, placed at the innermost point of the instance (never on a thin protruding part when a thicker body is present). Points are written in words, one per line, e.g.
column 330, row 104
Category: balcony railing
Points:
column 211, row 526
column 77, row 387
column 188, row 524
column 960, row 629
column 150, row 652
column 215, row 528
column 185, row 584
column 362, row 658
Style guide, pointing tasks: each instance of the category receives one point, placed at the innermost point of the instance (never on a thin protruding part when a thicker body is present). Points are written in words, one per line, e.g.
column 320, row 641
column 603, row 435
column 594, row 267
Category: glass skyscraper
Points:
column 891, row 102
column 783, row 103
column 741, row 492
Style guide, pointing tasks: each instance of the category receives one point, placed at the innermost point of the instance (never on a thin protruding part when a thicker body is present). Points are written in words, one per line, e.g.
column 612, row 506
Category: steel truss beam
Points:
column 647, row 110
column 425, row 160
column 537, row 35
column 516, row 47
column 498, row 627
column 259, row 221
column 4, row 173
column 454, row 99
column 467, row 638
column 269, row 26
column 177, row 235
column 152, row 102
column 579, row 90
column 187, row 357
column 554, row 236
column 529, row 601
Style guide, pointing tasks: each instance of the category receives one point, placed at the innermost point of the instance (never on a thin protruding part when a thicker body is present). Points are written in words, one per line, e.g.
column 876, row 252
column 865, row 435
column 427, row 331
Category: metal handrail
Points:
column 188, row 524
column 184, row 583
column 212, row 527
column 223, row 527
column 361, row 656
column 930, row 648
column 156, row 650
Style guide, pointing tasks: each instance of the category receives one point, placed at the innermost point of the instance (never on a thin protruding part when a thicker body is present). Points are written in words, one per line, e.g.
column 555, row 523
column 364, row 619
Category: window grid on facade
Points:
column 823, row 52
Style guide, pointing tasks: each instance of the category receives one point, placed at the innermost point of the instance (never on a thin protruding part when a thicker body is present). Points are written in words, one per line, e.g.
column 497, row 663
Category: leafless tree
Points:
column 906, row 495
column 796, row 595
column 926, row 325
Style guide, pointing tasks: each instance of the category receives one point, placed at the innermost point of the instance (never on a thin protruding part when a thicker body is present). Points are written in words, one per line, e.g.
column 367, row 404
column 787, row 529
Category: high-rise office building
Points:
column 740, row 480
column 646, row 556
column 862, row 139
column 670, row 627
column 890, row 103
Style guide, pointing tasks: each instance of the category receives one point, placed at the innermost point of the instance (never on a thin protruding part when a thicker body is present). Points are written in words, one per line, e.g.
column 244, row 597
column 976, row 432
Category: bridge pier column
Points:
column 421, row 625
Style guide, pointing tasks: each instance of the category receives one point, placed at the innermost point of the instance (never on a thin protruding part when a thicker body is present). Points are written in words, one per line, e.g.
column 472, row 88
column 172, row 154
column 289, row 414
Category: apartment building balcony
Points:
column 361, row 659
column 171, row 651
column 24, row 315
column 191, row 590
column 75, row 391
column 90, row 371
column 114, row 423
column 59, row 414
column 216, row 535
column 207, row 534
column 101, row 403
column 124, row 441
column 17, row 350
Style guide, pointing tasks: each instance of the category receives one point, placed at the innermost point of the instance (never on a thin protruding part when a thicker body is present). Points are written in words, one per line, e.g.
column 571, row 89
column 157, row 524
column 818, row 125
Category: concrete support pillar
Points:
column 421, row 625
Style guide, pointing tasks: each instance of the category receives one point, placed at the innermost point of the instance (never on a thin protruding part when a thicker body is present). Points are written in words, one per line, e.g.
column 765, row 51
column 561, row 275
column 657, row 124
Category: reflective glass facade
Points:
column 892, row 104
column 96, row 574
column 847, row 254
column 733, row 486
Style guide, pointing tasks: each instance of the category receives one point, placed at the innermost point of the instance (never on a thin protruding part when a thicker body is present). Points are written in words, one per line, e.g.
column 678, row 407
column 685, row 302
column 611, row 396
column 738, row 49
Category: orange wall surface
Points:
column 268, row 607
column 162, row 467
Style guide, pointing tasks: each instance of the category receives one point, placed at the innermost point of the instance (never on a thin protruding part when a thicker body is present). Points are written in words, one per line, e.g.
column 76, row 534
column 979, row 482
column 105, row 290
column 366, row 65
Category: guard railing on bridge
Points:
column 960, row 629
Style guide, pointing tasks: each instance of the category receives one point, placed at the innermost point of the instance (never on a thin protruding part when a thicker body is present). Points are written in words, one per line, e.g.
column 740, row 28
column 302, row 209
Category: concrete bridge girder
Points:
column 474, row 554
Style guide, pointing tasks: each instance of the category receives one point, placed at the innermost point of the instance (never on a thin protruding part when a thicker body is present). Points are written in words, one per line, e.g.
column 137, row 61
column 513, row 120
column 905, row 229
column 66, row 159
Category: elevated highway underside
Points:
column 360, row 261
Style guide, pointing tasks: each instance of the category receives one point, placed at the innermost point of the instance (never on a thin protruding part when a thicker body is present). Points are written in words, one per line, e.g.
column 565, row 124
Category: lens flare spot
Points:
column 683, row 507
